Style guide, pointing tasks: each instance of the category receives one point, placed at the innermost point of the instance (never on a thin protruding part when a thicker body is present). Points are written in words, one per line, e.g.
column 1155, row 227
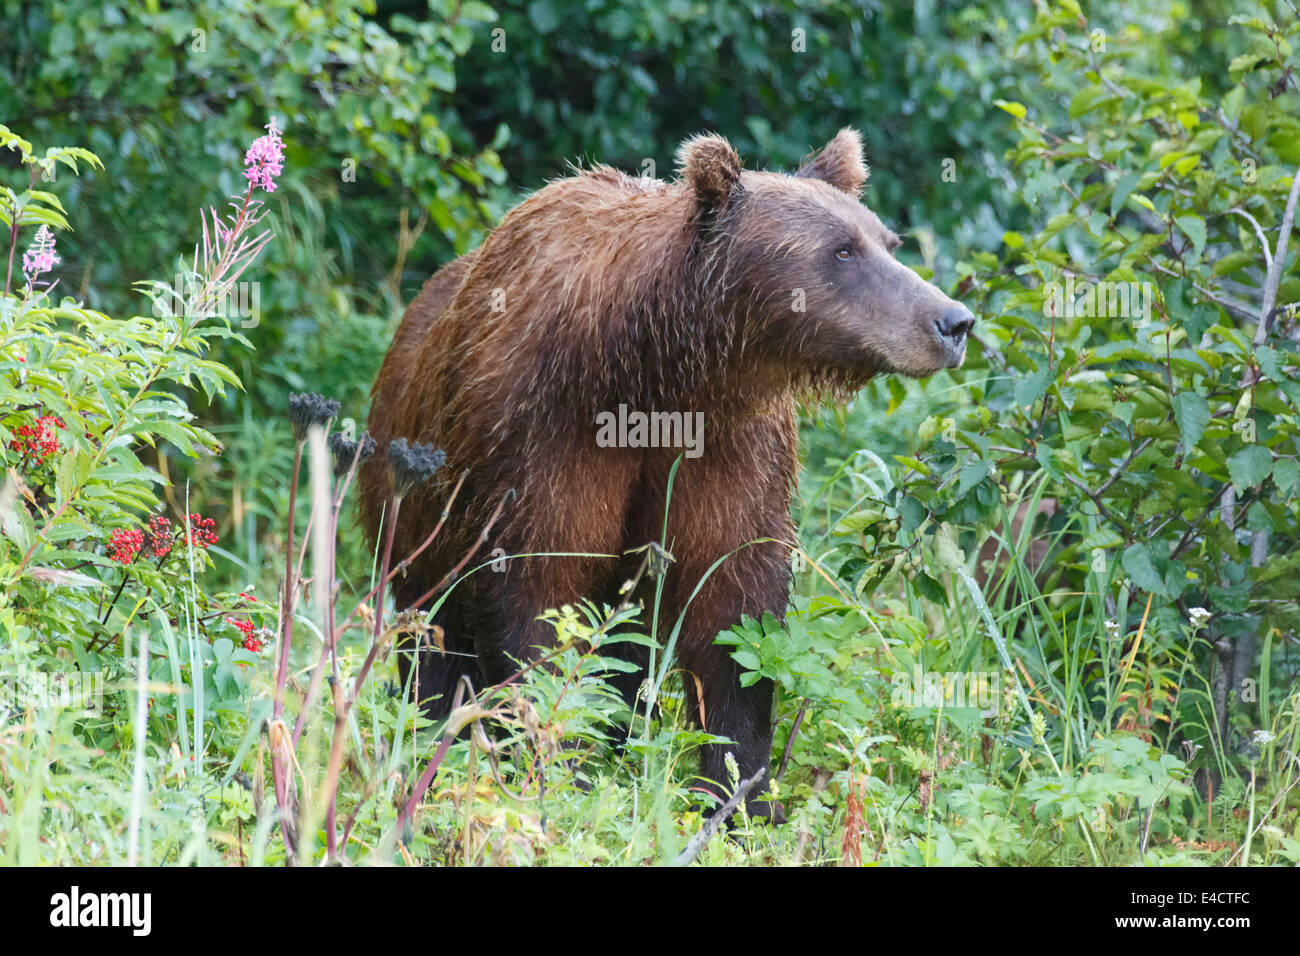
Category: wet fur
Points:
column 629, row 290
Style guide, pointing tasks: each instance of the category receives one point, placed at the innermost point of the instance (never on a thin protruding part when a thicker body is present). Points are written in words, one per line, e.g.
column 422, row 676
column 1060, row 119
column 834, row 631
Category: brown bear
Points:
column 727, row 292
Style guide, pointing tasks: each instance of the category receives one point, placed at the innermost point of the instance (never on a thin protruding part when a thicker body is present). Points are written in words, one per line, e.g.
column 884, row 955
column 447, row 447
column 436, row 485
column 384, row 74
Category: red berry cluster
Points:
column 38, row 441
column 124, row 545
column 160, row 536
column 244, row 627
column 201, row 531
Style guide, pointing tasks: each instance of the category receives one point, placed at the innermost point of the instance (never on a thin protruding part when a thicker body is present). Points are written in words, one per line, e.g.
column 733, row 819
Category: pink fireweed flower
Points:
column 40, row 257
column 265, row 159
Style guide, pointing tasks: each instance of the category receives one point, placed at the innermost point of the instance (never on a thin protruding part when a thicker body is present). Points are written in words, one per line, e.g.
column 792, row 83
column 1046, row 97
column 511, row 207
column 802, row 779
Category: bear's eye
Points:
column 844, row 254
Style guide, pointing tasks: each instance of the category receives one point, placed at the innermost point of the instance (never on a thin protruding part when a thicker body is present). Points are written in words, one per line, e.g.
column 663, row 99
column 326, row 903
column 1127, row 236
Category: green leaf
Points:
column 1246, row 62
column 911, row 512
column 858, row 521
column 930, row 589
column 1249, row 466
column 948, row 554
column 476, row 10
column 1032, row 387
column 1088, row 99
column 1286, row 474
column 1194, row 228
column 1232, row 103
column 1192, row 413
column 544, row 16
column 973, row 471
column 1137, row 564
column 915, row 464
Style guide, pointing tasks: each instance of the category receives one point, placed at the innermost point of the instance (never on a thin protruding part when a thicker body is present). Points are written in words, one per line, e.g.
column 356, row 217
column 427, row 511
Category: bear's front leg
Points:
column 745, row 717
column 750, row 582
column 734, row 500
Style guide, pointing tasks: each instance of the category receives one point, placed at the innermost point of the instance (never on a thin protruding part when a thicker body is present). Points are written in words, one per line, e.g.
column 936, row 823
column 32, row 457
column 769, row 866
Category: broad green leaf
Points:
column 1194, row 228
column 1137, row 564
column 1249, row 466
column 1192, row 413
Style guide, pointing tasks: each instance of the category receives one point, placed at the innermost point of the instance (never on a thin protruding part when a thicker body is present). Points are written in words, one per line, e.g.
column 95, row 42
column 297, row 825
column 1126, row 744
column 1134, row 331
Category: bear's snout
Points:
column 951, row 327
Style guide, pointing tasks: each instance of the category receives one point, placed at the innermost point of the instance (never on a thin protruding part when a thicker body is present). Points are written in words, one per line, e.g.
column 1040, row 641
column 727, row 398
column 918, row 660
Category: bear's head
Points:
column 814, row 269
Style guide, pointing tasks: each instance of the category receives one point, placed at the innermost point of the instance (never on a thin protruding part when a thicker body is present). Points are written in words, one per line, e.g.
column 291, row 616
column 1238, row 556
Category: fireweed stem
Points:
column 282, row 668
column 13, row 235
column 395, row 505
column 329, row 649
column 375, row 642
column 343, row 706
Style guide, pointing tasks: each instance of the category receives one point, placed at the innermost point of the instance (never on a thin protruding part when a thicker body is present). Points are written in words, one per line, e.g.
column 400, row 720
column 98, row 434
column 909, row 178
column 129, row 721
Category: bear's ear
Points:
column 711, row 166
column 840, row 163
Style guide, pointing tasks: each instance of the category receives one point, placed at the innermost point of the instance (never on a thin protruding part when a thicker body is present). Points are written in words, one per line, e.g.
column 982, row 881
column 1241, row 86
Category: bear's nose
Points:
column 954, row 323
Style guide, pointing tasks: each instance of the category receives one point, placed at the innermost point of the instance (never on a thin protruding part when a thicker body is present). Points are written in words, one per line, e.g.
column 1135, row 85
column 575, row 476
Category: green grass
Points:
column 1080, row 760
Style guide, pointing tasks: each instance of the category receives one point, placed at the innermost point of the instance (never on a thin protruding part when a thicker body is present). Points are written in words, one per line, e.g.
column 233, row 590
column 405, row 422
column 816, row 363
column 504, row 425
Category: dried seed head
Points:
column 344, row 449
column 309, row 409
column 412, row 464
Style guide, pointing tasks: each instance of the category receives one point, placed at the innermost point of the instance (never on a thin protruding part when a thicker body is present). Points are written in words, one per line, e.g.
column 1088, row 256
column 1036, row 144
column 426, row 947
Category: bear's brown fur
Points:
column 726, row 292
